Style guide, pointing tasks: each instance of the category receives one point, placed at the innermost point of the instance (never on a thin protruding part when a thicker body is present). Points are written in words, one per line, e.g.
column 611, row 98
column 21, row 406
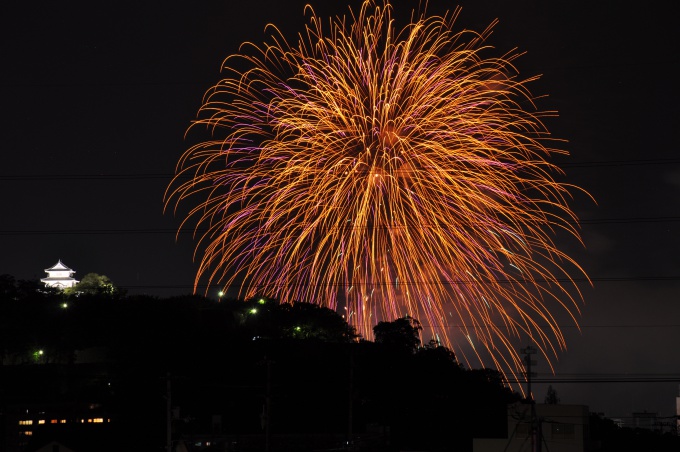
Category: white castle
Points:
column 59, row 276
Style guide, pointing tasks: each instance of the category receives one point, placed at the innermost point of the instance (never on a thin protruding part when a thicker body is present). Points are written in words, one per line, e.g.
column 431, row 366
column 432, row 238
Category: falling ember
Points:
column 385, row 172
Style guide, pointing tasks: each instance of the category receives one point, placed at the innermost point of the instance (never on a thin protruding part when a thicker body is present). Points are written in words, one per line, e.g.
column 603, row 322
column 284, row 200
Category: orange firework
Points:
column 385, row 172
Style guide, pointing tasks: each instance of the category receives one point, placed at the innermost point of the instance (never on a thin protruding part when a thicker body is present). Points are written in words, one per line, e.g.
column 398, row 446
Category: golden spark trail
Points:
column 387, row 172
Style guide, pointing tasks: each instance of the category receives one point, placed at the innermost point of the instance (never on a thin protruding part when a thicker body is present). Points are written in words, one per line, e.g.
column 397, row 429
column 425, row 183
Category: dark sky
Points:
column 96, row 97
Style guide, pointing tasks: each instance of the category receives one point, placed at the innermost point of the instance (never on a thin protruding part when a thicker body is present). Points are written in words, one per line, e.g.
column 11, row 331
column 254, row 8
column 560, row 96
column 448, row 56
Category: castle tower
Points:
column 59, row 276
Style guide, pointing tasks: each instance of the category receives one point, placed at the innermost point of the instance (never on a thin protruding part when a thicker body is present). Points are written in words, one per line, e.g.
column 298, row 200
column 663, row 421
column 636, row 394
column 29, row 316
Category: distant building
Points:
column 54, row 446
column 561, row 428
column 677, row 410
column 62, row 427
column 646, row 420
column 59, row 276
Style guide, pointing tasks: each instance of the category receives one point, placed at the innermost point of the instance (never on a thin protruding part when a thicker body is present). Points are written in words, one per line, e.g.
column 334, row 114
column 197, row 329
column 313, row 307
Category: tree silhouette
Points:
column 94, row 284
column 551, row 397
column 403, row 334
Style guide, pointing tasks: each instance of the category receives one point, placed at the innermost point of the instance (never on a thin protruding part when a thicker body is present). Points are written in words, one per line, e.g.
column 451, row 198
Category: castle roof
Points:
column 59, row 266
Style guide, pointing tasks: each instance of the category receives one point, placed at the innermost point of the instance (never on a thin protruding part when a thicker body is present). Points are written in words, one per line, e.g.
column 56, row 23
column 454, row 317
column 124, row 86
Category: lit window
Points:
column 41, row 421
column 53, row 421
column 26, row 422
column 98, row 420
column 28, row 433
column 62, row 421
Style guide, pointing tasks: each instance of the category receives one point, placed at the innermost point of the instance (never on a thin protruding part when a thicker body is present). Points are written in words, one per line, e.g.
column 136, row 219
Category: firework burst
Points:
column 385, row 172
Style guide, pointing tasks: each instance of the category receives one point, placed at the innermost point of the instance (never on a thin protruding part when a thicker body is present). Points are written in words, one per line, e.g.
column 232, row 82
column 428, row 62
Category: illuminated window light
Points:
column 41, row 421
column 98, row 420
column 26, row 422
column 53, row 421
column 62, row 421
column 28, row 433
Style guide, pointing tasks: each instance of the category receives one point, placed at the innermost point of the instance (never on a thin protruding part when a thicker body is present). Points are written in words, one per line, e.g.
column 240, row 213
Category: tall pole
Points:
column 350, row 420
column 267, row 406
column 535, row 431
column 168, row 412
column 2, row 396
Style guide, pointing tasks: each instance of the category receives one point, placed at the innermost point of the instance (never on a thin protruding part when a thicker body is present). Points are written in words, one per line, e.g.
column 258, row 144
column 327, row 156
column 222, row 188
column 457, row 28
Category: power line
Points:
column 100, row 232
column 417, row 283
column 659, row 219
column 201, row 231
column 616, row 163
column 168, row 176
column 650, row 379
column 87, row 177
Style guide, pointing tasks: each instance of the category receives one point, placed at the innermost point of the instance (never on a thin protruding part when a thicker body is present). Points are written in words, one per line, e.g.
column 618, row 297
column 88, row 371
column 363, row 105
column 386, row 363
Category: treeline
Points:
column 226, row 362
column 237, row 369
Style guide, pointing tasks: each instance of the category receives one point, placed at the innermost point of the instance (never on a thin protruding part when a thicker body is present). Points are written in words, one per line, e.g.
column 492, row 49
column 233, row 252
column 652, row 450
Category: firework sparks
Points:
column 386, row 172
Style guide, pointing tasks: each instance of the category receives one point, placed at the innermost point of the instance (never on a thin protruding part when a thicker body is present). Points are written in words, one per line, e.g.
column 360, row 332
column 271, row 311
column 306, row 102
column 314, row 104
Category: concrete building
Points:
column 559, row 428
column 677, row 411
column 54, row 446
column 646, row 420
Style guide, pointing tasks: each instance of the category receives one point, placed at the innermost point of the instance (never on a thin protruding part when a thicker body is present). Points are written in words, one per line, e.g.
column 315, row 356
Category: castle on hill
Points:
column 59, row 276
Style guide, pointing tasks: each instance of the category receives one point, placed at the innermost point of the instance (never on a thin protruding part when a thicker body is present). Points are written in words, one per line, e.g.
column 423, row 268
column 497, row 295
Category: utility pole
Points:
column 536, row 434
column 350, row 420
column 267, row 406
column 168, row 411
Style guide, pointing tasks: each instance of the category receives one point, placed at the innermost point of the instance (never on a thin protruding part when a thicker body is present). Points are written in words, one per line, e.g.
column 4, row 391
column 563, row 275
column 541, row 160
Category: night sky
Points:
column 96, row 98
